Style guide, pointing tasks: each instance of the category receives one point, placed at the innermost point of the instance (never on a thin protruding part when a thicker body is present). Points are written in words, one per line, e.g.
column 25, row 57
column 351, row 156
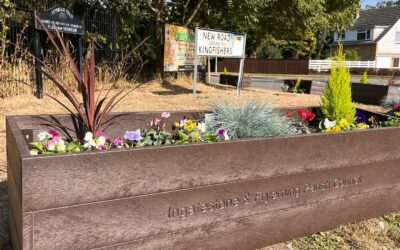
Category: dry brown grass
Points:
column 156, row 96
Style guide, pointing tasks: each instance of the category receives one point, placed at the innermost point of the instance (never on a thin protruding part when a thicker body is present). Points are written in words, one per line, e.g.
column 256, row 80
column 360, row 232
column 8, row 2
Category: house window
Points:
column 397, row 37
column 396, row 62
column 364, row 35
column 343, row 35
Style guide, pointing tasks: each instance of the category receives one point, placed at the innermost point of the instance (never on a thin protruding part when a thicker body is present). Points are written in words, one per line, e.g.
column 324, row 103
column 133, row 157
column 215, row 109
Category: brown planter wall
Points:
column 235, row 195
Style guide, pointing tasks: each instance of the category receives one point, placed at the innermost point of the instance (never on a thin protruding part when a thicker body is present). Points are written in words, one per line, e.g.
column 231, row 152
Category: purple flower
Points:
column 165, row 115
column 360, row 117
column 221, row 131
column 133, row 135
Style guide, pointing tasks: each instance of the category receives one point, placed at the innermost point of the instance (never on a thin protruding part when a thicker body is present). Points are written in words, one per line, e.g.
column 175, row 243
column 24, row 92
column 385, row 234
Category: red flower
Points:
column 310, row 115
column 306, row 114
column 396, row 106
column 54, row 133
column 289, row 114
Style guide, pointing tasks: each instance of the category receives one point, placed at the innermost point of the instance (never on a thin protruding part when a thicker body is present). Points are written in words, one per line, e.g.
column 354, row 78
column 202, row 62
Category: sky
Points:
column 368, row 2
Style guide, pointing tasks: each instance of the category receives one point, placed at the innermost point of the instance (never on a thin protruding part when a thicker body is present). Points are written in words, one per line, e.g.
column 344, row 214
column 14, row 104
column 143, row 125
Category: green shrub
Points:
column 364, row 78
column 225, row 71
column 352, row 55
column 253, row 118
column 336, row 99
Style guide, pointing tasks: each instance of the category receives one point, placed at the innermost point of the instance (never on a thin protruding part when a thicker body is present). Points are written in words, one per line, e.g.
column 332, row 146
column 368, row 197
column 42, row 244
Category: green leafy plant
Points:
column 155, row 134
column 364, row 78
column 191, row 131
column 92, row 112
column 253, row 118
column 297, row 85
column 336, row 99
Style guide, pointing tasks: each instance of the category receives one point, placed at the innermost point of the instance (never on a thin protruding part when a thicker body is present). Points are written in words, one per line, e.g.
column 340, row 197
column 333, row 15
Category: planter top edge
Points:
column 176, row 146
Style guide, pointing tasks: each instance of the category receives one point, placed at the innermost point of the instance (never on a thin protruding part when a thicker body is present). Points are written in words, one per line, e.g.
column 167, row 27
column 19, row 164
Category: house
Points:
column 375, row 34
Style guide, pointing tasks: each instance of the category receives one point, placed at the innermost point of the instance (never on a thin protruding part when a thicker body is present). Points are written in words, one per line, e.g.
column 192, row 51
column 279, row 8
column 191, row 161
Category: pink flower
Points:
column 221, row 131
column 157, row 121
column 118, row 142
column 396, row 106
column 100, row 133
column 100, row 147
column 52, row 143
column 165, row 115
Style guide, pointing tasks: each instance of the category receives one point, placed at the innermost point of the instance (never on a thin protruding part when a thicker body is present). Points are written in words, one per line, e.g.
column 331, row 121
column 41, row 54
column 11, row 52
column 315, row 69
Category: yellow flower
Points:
column 177, row 124
column 372, row 119
column 337, row 128
column 397, row 113
column 362, row 126
column 343, row 123
column 189, row 125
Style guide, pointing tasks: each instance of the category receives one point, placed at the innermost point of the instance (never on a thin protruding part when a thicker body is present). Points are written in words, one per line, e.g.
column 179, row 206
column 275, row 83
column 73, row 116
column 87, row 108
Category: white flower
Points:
column 101, row 140
column 61, row 145
column 202, row 127
column 51, row 146
column 44, row 136
column 182, row 123
column 226, row 136
column 33, row 152
column 89, row 142
column 88, row 137
column 329, row 124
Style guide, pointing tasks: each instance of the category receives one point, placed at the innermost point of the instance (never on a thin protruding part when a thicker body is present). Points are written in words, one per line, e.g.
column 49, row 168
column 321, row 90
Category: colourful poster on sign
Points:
column 179, row 48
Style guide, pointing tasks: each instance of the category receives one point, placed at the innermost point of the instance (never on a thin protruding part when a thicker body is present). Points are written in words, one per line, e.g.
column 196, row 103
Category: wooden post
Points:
column 37, row 49
column 209, row 70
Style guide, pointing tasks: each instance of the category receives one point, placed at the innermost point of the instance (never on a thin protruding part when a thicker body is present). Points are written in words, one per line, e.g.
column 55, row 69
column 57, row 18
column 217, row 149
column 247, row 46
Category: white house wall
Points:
column 377, row 32
column 387, row 46
column 383, row 62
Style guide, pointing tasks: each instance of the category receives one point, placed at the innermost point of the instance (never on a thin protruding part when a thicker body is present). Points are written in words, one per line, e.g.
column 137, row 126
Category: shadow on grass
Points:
column 4, row 237
column 172, row 89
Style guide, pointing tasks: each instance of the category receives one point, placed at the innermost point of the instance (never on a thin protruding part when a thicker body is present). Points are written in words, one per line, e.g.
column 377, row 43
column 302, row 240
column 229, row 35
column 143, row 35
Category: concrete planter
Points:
column 240, row 194
column 368, row 93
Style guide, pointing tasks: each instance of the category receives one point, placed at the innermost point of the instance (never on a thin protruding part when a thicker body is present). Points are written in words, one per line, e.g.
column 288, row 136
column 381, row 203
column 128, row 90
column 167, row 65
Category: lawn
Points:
column 380, row 233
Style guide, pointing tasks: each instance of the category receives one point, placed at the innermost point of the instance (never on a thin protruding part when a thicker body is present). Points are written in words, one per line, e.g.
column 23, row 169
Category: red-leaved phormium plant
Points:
column 93, row 111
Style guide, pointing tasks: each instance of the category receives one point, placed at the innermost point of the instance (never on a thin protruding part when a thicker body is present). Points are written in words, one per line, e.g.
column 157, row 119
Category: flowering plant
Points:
column 50, row 142
column 305, row 117
column 155, row 134
column 190, row 131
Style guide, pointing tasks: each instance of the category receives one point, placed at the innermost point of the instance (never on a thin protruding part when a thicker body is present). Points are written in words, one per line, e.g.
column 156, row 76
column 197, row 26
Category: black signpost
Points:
column 61, row 19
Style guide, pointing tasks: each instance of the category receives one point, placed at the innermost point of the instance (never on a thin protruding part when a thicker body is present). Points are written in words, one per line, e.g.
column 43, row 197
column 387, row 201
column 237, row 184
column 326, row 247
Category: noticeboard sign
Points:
column 179, row 49
column 61, row 19
column 215, row 43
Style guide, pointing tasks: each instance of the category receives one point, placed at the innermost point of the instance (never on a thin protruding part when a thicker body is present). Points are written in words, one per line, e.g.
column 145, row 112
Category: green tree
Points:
column 352, row 55
column 383, row 4
column 336, row 99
